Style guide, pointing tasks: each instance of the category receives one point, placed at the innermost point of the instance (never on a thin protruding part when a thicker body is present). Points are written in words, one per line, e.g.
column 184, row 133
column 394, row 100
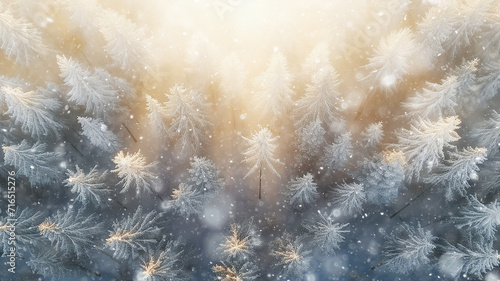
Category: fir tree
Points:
column 459, row 169
column 260, row 154
column 134, row 172
column 424, row 142
column 293, row 260
column 372, row 137
column 89, row 187
column 186, row 200
column 275, row 89
column 488, row 135
column 408, row 249
column 133, row 235
column 311, row 139
column 301, row 192
column 479, row 218
column 338, row 154
column 321, row 99
column 71, row 231
column 349, row 197
column 188, row 114
column 324, row 233
column 157, row 117
column 33, row 110
column 33, row 161
column 99, row 134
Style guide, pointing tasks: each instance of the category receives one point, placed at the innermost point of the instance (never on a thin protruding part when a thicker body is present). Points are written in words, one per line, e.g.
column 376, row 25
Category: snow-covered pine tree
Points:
column 471, row 261
column 205, row 176
column 135, row 172
column 467, row 21
column 301, row 192
column 26, row 223
column 436, row 100
column 458, row 170
column 187, row 111
column 72, row 231
column 83, row 14
column 34, row 162
column 391, row 60
column 163, row 262
column 321, row 99
column 260, row 154
column 350, row 197
column 372, row 137
column 98, row 134
column 274, row 96
column 338, row 154
column 488, row 80
column 324, row 233
column 247, row 271
column 383, row 177
column 90, row 187
column 134, row 235
column 408, row 249
column 241, row 244
column 157, row 117
column 432, row 32
column 424, row 142
column 311, row 139
column 488, row 135
column 127, row 44
column 19, row 38
column 33, row 110
column 292, row 259
column 86, row 88
column 186, row 201
column 479, row 218
column 52, row 264
column 467, row 83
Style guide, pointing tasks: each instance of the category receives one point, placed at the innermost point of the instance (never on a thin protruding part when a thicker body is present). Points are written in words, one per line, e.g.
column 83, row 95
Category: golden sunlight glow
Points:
column 152, row 267
column 234, row 243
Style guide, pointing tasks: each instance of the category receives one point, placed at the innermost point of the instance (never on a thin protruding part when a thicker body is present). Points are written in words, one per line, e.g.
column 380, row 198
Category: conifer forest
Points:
column 248, row 140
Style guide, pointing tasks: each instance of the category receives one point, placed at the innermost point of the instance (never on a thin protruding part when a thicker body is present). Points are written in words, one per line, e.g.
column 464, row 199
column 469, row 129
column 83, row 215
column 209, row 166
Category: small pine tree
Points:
column 33, row 161
column 53, row 264
column 324, row 233
column 87, row 89
column 127, row 44
column 241, row 244
column 186, row 201
column 88, row 187
column 275, row 84
column 408, row 249
column 424, row 142
column 99, row 134
column 321, row 99
column 489, row 81
column 436, row 100
column 472, row 261
column 133, row 236
column 157, row 116
column 247, row 271
column 260, row 154
column 311, row 139
column 134, row 172
column 25, row 222
column 71, row 231
column 34, row 110
column 372, row 137
column 349, row 197
column 338, row 154
column 489, row 134
column 391, row 60
column 459, row 169
column 301, row 192
column 292, row 258
column 188, row 113
column 204, row 175
column 383, row 177
column 480, row 218
column 163, row 263
column 19, row 38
